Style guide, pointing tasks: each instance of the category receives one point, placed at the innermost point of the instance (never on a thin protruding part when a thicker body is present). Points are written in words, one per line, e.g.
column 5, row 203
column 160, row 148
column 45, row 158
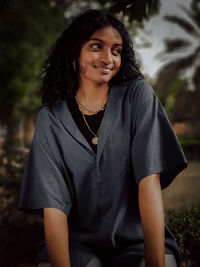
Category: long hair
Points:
column 60, row 80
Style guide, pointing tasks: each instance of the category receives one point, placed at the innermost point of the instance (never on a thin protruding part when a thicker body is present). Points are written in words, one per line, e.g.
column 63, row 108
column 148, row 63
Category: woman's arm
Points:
column 152, row 217
column 56, row 236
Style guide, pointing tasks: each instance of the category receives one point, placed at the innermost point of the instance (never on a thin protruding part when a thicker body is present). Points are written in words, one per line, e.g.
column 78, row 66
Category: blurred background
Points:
column 166, row 38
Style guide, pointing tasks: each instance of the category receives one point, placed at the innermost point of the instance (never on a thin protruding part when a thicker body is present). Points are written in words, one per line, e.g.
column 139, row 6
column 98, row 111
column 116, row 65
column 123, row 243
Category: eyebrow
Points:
column 96, row 39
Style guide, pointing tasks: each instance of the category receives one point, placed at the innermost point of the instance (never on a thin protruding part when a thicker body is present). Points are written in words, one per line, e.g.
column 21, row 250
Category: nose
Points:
column 106, row 57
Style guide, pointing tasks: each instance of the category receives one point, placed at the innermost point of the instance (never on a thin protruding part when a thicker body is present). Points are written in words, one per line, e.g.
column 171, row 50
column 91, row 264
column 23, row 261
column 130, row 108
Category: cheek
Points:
column 117, row 65
column 87, row 65
column 84, row 68
column 118, row 62
column 84, row 64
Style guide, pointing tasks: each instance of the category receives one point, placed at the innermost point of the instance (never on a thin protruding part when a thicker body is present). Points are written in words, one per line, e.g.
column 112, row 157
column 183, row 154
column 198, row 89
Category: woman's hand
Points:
column 56, row 236
column 152, row 217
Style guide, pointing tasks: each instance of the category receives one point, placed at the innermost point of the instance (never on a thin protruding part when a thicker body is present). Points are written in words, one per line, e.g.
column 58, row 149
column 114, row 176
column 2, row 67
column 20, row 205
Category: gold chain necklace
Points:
column 95, row 138
column 101, row 107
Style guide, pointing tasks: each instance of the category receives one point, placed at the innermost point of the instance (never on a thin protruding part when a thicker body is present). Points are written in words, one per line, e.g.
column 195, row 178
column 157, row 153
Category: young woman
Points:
column 102, row 151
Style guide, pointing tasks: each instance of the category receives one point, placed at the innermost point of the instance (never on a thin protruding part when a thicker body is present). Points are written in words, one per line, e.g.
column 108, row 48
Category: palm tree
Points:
column 173, row 90
column 191, row 58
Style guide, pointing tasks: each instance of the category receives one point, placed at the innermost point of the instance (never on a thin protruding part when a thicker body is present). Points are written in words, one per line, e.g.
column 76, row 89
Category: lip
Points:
column 105, row 70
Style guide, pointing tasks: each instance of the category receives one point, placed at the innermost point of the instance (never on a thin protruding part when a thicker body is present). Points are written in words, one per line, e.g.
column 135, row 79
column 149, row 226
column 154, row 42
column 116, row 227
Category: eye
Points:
column 96, row 45
column 117, row 51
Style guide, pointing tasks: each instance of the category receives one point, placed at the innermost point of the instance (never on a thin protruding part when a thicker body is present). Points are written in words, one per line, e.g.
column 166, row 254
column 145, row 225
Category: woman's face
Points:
column 100, row 56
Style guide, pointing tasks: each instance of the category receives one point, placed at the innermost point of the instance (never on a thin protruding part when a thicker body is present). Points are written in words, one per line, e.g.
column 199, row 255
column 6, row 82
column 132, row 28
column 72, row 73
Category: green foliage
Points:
column 136, row 10
column 132, row 13
column 169, row 93
column 27, row 30
column 15, row 227
column 189, row 140
column 12, row 164
column 172, row 90
column 185, row 225
column 191, row 146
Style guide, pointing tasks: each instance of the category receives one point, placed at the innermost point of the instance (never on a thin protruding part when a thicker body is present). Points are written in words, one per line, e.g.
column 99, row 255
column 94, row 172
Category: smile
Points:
column 105, row 70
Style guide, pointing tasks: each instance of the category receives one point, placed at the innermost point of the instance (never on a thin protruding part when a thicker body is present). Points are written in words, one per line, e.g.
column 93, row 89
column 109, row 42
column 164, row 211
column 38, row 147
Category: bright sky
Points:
column 158, row 30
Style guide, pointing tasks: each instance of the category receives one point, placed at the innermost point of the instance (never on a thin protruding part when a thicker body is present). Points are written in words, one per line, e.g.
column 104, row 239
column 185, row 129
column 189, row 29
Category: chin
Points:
column 105, row 79
column 100, row 82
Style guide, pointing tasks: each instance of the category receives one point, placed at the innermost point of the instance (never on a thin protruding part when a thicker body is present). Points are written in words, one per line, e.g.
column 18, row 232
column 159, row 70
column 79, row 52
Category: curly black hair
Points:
column 59, row 78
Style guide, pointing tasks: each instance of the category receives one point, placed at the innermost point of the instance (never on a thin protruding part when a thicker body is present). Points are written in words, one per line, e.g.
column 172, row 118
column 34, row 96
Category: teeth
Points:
column 106, row 70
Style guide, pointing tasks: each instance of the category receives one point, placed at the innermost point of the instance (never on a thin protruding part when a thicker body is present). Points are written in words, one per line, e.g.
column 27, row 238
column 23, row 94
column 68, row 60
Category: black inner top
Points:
column 93, row 121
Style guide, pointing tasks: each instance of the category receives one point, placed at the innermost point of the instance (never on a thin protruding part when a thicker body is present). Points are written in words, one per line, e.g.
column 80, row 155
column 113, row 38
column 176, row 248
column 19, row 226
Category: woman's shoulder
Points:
column 138, row 86
column 48, row 110
column 47, row 115
column 132, row 80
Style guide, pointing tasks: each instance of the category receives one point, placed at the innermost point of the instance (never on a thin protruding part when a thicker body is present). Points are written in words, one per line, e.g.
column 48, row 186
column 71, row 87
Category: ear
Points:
column 74, row 65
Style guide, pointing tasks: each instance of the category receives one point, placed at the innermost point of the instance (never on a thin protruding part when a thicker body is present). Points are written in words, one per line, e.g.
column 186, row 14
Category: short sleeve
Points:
column 155, row 146
column 45, row 180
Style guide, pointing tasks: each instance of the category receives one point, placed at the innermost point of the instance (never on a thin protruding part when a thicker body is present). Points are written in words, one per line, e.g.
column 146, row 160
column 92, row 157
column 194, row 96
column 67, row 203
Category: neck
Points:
column 92, row 94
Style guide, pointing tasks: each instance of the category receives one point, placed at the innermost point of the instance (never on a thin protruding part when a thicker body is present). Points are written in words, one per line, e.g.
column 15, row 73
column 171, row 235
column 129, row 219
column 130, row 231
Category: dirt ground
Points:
column 185, row 188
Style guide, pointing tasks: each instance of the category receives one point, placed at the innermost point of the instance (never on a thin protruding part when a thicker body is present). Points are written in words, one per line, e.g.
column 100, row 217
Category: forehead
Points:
column 108, row 34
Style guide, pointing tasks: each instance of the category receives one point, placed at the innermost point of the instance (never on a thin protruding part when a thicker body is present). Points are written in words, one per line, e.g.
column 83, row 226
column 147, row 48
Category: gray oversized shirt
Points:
column 99, row 192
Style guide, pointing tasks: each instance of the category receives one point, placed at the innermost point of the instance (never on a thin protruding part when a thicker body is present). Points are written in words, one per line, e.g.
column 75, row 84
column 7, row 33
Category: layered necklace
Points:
column 85, row 109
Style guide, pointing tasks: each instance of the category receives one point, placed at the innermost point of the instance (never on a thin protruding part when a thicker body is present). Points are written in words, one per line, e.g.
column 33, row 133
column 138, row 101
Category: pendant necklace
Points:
column 95, row 138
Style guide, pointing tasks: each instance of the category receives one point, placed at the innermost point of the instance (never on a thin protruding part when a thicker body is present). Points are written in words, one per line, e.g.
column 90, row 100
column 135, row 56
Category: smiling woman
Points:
column 100, row 57
column 102, row 151
column 99, row 62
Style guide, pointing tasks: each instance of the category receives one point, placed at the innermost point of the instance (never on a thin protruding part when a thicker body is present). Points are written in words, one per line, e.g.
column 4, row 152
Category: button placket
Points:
column 102, row 199
column 102, row 191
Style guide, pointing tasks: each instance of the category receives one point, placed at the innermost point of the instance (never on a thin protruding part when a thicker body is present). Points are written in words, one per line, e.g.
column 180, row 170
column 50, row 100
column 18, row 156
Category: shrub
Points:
column 185, row 225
